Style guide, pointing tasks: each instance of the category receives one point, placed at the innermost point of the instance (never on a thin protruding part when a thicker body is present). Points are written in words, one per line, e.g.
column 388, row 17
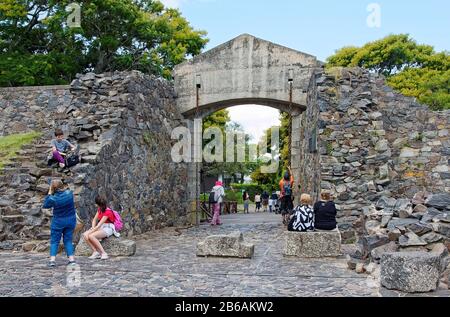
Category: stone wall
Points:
column 375, row 142
column 372, row 143
column 123, row 124
column 25, row 109
column 306, row 126
column 133, row 164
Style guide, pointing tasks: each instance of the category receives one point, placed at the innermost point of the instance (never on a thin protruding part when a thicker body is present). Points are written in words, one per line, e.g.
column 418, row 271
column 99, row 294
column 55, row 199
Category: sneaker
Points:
column 71, row 263
column 95, row 256
column 51, row 264
column 104, row 256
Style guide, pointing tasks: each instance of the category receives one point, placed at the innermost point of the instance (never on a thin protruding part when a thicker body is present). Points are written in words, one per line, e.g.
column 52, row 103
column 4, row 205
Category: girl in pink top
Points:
column 102, row 227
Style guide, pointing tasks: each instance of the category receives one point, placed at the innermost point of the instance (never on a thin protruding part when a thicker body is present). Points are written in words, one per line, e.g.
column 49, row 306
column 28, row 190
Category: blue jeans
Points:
column 62, row 227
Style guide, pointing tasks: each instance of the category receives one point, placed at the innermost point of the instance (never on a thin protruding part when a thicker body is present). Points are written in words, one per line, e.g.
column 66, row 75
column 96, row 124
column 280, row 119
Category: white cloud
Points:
column 255, row 119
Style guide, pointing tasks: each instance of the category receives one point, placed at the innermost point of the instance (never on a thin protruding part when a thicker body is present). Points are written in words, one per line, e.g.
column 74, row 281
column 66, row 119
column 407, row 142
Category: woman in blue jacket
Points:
column 63, row 222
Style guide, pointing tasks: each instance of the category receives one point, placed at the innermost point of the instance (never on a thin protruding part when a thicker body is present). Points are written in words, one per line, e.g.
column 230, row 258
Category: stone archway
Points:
column 248, row 70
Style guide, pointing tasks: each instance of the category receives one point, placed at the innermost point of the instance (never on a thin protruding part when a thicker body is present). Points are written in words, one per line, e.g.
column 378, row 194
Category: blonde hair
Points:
column 305, row 199
column 325, row 195
column 57, row 185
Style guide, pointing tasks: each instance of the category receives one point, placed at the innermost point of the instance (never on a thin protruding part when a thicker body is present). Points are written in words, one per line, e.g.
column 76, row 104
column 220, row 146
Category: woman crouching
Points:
column 102, row 227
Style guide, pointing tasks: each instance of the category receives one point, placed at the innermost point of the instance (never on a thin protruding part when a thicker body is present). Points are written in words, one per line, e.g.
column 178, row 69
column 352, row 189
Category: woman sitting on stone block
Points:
column 102, row 227
column 303, row 218
column 325, row 213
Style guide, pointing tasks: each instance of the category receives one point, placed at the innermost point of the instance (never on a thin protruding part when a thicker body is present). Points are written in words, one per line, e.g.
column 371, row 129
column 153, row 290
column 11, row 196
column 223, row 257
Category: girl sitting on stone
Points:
column 102, row 227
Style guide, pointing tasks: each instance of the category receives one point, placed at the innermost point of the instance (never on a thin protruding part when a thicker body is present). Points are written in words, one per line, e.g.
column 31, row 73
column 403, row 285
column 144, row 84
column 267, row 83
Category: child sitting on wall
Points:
column 60, row 147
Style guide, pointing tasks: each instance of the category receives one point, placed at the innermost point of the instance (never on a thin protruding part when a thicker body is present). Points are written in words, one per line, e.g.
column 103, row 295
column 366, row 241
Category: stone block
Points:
column 229, row 246
column 313, row 244
column 112, row 245
column 410, row 272
column 439, row 201
column 378, row 252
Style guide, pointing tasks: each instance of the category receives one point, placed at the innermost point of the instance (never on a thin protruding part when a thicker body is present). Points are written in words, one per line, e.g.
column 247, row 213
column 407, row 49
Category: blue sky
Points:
column 317, row 27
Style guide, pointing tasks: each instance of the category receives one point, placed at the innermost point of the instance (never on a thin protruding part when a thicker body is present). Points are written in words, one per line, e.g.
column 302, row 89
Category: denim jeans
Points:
column 62, row 227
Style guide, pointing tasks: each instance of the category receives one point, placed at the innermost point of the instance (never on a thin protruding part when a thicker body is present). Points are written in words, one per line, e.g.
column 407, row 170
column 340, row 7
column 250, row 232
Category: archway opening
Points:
column 255, row 154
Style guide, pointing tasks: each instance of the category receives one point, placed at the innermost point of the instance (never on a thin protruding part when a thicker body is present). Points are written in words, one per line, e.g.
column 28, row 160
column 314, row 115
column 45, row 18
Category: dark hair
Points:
column 101, row 203
column 59, row 132
column 287, row 176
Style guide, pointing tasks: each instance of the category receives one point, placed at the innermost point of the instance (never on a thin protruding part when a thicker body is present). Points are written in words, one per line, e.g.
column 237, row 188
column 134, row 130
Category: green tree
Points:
column 413, row 69
column 37, row 47
column 271, row 180
column 222, row 120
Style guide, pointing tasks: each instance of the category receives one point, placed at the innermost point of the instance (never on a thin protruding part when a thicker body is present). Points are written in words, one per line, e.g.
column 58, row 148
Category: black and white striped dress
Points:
column 302, row 220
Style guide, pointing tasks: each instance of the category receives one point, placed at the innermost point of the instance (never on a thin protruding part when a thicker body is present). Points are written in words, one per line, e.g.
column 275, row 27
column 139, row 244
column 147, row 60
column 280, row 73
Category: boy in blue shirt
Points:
column 60, row 147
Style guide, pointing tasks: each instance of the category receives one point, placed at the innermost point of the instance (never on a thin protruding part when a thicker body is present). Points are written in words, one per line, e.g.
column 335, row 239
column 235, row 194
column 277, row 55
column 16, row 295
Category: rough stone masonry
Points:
column 123, row 123
column 372, row 143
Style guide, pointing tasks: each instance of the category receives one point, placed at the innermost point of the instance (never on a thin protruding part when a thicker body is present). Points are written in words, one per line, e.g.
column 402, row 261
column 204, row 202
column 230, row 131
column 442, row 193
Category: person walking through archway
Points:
column 273, row 202
column 258, row 202
column 219, row 193
column 265, row 201
column 286, row 186
column 246, row 199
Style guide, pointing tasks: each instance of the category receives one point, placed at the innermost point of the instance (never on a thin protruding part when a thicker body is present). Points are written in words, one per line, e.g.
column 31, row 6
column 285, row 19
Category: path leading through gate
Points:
column 166, row 265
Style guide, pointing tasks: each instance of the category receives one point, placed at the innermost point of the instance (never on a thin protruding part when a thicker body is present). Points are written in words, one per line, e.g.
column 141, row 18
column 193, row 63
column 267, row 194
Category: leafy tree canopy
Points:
column 413, row 69
column 38, row 48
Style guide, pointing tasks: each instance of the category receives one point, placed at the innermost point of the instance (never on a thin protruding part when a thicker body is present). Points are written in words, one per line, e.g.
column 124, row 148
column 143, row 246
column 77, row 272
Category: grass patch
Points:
column 148, row 138
column 419, row 137
column 336, row 72
column 330, row 149
column 11, row 144
column 327, row 132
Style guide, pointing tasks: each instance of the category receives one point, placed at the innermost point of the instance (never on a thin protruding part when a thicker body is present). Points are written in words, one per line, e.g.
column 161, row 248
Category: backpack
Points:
column 213, row 197
column 72, row 160
column 118, row 223
column 287, row 188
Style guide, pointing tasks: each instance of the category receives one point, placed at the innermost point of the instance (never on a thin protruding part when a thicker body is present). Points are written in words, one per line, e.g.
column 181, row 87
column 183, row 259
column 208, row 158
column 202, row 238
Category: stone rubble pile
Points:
column 420, row 226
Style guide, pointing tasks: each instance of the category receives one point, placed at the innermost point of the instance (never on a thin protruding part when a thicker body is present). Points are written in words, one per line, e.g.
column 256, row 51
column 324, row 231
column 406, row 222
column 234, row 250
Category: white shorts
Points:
column 108, row 228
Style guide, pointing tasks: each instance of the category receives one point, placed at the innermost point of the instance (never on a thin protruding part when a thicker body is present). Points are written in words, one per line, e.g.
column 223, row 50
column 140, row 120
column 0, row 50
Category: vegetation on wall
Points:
column 412, row 69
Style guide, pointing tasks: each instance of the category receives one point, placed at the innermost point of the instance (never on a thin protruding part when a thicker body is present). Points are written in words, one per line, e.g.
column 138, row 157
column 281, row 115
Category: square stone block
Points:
column 112, row 245
column 410, row 272
column 313, row 244
column 229, row 246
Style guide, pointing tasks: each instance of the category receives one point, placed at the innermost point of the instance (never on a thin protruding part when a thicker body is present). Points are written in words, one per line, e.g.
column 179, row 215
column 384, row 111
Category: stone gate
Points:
column 351, row 134
column 248, row 70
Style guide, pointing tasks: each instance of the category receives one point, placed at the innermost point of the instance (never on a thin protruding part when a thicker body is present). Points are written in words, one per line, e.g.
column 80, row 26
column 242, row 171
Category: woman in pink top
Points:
column 102, row 227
